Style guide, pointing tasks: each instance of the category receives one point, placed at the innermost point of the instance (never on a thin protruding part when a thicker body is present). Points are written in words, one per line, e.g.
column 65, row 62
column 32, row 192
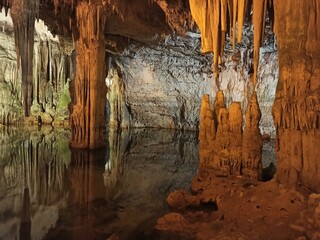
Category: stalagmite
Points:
column 88, row 117
column 252, row 141
column 207, row 132
column 218, row 104
column 220, row 137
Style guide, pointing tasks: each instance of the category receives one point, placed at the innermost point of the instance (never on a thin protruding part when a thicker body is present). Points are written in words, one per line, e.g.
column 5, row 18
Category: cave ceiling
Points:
column 145, row 21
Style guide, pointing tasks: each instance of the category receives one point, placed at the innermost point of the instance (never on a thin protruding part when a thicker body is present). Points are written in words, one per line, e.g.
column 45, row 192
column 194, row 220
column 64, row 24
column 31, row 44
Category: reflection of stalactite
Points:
column 36, row 161
column 114, row 168
column 25, row 224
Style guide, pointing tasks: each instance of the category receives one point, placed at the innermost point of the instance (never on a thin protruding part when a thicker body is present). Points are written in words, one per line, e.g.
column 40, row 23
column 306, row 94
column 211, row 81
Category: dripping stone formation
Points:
column 93, row 32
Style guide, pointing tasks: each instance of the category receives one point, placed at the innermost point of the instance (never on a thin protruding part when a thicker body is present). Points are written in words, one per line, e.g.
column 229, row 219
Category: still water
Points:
column 48, row 191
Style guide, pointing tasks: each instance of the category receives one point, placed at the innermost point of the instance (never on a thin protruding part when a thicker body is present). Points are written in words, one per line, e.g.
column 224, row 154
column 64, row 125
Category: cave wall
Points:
column 163, row 86
column 296, row 108
column 52, row 71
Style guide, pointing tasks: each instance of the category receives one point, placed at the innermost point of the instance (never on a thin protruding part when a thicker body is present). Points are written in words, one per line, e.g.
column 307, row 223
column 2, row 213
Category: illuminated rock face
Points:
column 88, row 118
column 162, row 86
column 296, row 108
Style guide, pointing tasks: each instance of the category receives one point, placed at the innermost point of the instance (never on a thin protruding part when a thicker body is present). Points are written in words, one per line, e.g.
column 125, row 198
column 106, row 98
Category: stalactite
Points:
column 259, row 16
column 88, row 114
column 212, row 17
column 23, row 14
column 242, row 7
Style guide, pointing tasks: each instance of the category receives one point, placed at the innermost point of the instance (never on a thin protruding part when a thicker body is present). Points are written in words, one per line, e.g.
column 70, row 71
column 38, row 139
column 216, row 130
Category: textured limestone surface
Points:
column 162, row 86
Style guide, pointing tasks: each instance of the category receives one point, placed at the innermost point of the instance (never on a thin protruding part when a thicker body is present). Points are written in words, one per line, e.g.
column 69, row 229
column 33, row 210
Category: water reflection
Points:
column 51, row 192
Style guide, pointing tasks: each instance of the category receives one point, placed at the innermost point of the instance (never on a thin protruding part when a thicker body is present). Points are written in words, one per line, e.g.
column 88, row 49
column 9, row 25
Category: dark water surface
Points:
column 48, row 191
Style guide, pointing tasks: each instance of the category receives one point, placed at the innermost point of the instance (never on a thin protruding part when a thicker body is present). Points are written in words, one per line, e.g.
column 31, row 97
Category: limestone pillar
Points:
column 88, row 118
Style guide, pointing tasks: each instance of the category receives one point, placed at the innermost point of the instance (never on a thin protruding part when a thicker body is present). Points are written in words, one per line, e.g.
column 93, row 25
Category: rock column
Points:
column 88, row 118
column 296, row 110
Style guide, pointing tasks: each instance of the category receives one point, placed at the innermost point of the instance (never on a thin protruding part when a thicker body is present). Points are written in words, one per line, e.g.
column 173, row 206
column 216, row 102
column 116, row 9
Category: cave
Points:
column 160, row 119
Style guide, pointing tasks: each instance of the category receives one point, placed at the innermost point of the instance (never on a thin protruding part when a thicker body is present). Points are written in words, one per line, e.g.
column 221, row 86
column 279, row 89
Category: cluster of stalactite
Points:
column 88, row 110
column 52, row 69
column 88, row 118
column 216, row 18
column 296, row 108
column 224, row 148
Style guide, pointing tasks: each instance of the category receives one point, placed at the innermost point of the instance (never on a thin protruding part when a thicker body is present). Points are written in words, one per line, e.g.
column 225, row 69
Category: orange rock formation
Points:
column 88, row 111
column 227, row 151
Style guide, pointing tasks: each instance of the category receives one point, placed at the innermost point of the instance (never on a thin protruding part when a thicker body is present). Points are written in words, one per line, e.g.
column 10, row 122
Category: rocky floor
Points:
column 238, row 208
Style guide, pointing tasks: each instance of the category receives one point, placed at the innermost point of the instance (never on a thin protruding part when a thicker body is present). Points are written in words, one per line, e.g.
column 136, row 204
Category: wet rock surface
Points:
column 245, row 209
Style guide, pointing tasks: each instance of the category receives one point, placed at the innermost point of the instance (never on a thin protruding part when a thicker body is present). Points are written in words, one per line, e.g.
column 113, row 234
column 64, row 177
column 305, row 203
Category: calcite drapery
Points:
column 23, row 13
column 212, row 17
column 296, row 109
column 88, row 118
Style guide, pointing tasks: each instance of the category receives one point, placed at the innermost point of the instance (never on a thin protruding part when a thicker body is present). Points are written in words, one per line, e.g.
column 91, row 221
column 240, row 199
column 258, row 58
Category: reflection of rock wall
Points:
column 35, row 161
column 52, row 68
column 144, row 166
